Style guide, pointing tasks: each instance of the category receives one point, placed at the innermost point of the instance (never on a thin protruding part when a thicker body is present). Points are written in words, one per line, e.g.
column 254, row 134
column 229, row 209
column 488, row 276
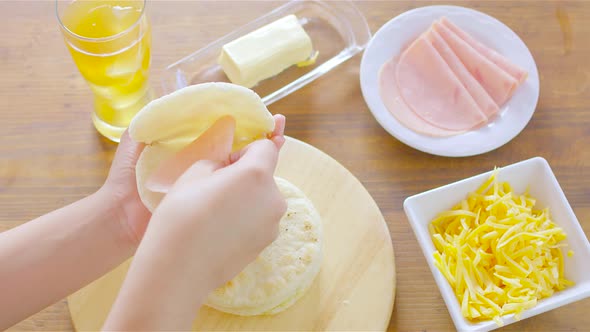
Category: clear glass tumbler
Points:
column 110, row 43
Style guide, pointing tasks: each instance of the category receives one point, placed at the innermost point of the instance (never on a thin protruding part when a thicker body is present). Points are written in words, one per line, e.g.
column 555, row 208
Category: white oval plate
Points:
column 401, row 30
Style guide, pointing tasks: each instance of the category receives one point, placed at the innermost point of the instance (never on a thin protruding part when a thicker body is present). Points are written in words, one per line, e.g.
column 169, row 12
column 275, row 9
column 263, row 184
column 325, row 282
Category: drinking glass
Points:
column 110, row 41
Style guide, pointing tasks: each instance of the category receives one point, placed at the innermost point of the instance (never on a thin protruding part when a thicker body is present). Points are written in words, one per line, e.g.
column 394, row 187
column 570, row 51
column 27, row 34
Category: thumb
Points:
column 125, row 158
column 127, row 152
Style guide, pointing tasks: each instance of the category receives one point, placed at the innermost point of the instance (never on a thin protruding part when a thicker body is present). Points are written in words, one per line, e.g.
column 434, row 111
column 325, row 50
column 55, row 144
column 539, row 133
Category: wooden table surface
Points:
column 50, row 154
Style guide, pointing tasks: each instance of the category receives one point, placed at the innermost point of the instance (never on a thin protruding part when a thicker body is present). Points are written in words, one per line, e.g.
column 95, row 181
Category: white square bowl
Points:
column 536, row 175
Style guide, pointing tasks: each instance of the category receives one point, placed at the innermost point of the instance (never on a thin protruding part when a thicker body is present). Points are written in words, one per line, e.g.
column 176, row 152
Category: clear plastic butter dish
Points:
column 338, row 31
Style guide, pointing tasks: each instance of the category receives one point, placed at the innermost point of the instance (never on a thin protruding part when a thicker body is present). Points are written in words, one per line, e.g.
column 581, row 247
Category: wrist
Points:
column 179, row 249
column 166, row 274
column 115, row 214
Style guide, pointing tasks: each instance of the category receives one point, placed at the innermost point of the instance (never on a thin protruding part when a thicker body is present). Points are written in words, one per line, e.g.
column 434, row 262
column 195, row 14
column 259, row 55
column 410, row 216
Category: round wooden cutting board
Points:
column 355, row 288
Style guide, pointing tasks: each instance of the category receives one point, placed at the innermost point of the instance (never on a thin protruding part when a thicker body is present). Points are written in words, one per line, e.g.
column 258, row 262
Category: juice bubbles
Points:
column 110, row 43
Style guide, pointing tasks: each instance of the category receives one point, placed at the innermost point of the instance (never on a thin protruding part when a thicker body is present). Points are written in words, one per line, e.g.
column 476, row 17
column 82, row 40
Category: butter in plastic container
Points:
column 266, row 52
column 337, row 31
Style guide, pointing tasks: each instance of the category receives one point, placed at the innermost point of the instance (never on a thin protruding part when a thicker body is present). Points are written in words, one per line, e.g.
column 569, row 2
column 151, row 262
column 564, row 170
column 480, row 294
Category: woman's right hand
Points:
column 224, row 215
column 213, row 222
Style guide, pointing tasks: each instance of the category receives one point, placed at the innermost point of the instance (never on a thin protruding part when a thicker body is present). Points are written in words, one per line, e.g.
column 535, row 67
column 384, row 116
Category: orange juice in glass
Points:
column 110, row 43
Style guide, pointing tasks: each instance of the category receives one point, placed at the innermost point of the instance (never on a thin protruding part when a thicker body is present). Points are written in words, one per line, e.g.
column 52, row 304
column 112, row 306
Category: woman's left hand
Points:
column 120, row 190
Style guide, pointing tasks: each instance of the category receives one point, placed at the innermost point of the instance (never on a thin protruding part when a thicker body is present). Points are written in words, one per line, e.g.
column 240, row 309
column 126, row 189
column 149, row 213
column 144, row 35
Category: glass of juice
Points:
column 110, row 43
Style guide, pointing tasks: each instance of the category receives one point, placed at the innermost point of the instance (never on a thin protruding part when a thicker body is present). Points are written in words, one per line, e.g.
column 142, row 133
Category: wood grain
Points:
column 355, row 287
column 50, row 154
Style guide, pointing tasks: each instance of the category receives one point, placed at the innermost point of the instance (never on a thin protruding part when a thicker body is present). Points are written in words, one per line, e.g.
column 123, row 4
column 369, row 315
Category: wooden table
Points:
column 51, row 155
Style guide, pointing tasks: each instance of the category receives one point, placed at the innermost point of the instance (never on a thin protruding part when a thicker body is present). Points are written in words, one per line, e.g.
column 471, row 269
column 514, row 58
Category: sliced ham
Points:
column 431, row 89
column 389, row 92
column 498, row 83
column 513, row 70
column 478, row 93
column 214, row 144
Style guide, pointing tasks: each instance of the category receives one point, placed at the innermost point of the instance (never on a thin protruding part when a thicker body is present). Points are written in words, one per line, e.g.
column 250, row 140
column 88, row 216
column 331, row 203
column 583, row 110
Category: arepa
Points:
column 171, row 122
column 285, row 270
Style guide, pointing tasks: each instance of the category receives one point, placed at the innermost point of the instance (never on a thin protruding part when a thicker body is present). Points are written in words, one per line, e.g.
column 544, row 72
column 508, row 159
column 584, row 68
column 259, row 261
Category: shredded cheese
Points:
column 499, row 254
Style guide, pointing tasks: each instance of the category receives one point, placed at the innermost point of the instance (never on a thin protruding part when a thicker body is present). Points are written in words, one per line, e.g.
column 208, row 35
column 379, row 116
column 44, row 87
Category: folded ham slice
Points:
column 433, row 91
column 478, row 93
column 214, row 144
column 446, row 82
column 397, row 106
column 513, row 70
column 498, row 83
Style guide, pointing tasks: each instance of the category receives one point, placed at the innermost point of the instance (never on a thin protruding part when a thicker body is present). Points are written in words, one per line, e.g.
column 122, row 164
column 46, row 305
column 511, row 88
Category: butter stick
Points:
column 265, row 52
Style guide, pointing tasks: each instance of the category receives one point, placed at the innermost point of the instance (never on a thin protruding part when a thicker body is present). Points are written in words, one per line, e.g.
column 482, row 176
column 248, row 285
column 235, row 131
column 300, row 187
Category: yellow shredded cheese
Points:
column 499, row 254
